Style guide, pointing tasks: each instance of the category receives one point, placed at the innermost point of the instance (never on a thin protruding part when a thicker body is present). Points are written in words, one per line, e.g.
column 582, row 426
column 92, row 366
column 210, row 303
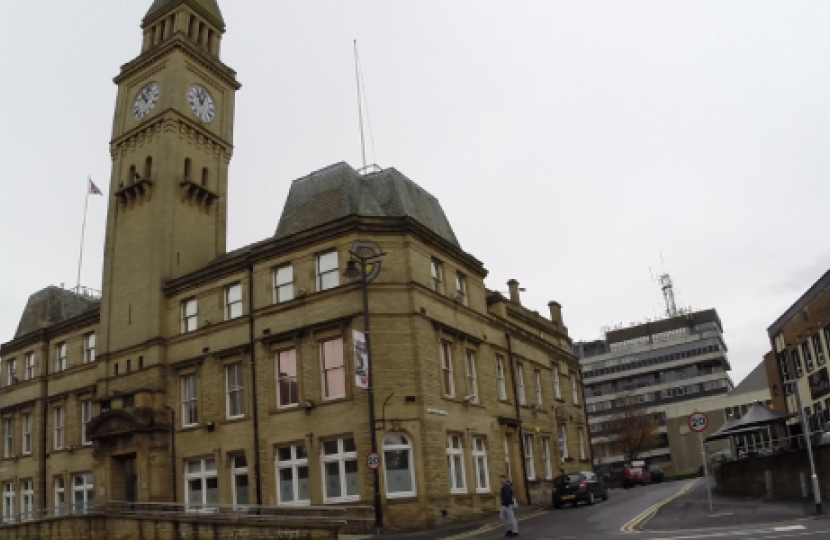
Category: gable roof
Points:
column 756, row 380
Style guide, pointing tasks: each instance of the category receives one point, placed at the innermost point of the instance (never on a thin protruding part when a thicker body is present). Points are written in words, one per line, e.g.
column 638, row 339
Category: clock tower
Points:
column 171, row 146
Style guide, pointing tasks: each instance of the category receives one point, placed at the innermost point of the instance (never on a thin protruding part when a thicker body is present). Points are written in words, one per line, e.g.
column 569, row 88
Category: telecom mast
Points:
column 668, row 294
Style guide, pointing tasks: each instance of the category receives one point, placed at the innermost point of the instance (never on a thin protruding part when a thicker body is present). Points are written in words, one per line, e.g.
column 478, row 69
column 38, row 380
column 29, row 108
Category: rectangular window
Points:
column 557, row 389
column 472, row 377
column 799, row 371
column 333, row 369
column 529, row 466
column 239, row 473
column 29, row 359
column 292, row 476
column 502, row 384
column 288, row 389
column 86, row 418
column 340, row 471
column 563, row 442
column 190, row 315
column 8, row 503
column 201, row 484
column 27, row 500
column 437, row 276
column 520, row 385
column 8, row 433
column 819, row 347
column 60, row 497
column 235, row 380
column 507, row 466
column 574, row 389
column 284, row 284
column 328, row 274
column 546, row 458
column 190, row 400
column 89, row 348
column 60, row 357
column 27, row 434
column 446, row 369
column 455, row 460
column 480, row 460
column 58, row 435
column 808, row 356
column 580, row 433
column 461, row 289
column 537, row 375
column 12, row 379
column 83, row 494
column 233, row 301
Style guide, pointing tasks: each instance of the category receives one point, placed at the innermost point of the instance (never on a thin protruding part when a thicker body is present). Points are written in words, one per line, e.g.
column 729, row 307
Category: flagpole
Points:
column 83, row 233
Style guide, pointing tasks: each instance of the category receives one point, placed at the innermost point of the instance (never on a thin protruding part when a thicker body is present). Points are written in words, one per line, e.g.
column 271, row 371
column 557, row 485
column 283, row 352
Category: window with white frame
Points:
column 819, row 347
column 190, row 315
column 29, row 359
column 520, row 385
column 480, row 461
column 472, row 377
column 12, row 372
column 341, row 476
column 86, row 418
column 580, row 433
column 202, row 483
column 328, row 273
column 563, row 442
column 60, row 357
column 333, row 369
column 437, row 276
column 507, row 466
column 8, row 503
column 190, row 400
column 58, row 432
column 8, row 437
column 233, row 301
column 537, row 375
column 60, row 496
column 89, row 348
column 83, row 493
column 574, row 390
column 292, row 475
column 288, row 388
column 455, row 461
column 235, row 381
column 529, row 466
column 461, row 288
column 239, row 473
column 27, row 434
column 546, row 458
column 399, row 466
column 446, row 369
column 557, row 389
column 283, row 283
column 27, row 500
column 500, row 379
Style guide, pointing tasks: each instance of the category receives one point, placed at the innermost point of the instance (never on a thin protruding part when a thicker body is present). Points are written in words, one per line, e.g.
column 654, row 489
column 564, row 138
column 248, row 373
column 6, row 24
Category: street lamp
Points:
column 368, row 254
column 805, row 430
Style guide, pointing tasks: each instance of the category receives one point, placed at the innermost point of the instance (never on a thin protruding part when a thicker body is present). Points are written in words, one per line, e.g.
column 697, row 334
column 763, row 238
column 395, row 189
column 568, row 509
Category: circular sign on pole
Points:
column 698, row 422
column 373, row 461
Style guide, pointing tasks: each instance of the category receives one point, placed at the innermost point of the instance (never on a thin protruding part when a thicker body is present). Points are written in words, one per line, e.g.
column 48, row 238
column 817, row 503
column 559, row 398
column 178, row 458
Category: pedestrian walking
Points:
column 507, row 515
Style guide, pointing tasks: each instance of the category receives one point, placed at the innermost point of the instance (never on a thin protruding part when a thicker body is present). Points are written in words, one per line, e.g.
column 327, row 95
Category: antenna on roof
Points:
column 667, row 287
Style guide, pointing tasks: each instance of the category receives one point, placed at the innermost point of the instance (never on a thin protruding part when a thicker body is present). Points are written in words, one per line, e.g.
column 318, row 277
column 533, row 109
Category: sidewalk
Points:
column 691, row 511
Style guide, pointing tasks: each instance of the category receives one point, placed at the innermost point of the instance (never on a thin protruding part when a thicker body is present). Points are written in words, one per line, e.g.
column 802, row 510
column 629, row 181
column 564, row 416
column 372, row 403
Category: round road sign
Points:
column 698, row 422
column 373, row 461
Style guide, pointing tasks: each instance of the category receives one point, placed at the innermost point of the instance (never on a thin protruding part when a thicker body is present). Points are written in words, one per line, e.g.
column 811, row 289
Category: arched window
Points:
column 131, row 177
column 204, row 177
column 187, row 166
column 148, row 168
column 399, row 465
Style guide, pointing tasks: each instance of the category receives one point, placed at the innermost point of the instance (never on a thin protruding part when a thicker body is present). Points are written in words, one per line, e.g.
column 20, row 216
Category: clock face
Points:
column 146, row 100
column 202, row 104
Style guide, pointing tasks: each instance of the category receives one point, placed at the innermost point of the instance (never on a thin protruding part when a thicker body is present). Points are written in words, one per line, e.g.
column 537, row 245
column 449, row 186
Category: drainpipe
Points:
column 45, row 404
column 518, row 416
column 255, row 411
column 173, row 451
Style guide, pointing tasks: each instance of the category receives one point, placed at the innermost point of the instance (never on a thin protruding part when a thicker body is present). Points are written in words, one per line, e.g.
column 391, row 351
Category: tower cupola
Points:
column 200, row 21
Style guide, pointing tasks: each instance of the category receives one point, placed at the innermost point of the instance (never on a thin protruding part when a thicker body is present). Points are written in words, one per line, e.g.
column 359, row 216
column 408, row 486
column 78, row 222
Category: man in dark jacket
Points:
column 506, row 514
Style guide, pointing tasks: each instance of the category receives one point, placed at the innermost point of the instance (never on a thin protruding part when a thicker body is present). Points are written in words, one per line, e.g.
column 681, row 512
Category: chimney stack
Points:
column 513, row 286
column 555, row 312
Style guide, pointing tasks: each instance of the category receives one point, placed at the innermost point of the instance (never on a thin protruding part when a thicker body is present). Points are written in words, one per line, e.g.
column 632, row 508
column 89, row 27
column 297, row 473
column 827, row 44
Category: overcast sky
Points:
column 570, row 143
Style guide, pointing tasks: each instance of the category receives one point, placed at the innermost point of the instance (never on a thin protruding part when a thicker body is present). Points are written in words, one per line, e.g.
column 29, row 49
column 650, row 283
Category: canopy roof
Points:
column 721, row 433
column 757, row 417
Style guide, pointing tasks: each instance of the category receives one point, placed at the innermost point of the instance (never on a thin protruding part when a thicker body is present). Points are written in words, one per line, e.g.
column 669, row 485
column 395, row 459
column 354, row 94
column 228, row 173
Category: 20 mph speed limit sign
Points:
column 698, row 422
column 373, row 461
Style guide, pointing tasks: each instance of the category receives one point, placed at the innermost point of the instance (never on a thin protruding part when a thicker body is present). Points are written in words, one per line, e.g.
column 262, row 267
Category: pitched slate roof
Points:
column 207, row 7
column 756, row 380
column 339, row 191
column 51, row 306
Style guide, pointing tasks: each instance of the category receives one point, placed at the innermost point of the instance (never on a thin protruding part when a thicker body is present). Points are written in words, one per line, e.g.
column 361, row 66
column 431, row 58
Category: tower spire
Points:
column 207, row 8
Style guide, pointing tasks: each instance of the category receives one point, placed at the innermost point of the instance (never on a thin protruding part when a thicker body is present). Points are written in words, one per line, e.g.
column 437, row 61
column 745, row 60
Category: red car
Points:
column 634, row 473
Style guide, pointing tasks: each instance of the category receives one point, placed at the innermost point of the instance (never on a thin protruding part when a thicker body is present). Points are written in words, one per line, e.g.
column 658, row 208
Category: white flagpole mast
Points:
column 83, row 233
column 359, row 104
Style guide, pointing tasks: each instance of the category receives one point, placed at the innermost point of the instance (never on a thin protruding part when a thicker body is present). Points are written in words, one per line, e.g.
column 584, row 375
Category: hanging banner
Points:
column 361, row 360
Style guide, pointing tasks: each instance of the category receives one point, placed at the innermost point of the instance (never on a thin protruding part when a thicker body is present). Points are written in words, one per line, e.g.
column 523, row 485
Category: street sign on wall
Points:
column 698, row 422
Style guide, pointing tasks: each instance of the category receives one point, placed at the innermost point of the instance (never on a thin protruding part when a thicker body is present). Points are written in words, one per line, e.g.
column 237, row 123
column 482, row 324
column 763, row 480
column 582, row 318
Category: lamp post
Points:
column 805, row 430
column 364, row 254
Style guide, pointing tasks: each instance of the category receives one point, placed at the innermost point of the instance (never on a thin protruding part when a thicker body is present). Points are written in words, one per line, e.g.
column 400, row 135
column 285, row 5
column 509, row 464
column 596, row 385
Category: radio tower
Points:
column 668, row 294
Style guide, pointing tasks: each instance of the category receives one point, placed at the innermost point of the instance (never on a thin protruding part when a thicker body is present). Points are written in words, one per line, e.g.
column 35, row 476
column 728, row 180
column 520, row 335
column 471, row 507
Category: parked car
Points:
column 575, row 487
column 656, row 474
column 634, row 474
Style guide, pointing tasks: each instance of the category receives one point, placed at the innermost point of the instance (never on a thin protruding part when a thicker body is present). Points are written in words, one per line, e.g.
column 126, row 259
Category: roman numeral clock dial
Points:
column 202, row 103
column 146, row 100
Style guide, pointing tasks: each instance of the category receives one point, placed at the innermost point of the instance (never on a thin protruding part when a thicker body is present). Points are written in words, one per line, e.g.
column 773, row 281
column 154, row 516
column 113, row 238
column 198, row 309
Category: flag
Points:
column 93, row 189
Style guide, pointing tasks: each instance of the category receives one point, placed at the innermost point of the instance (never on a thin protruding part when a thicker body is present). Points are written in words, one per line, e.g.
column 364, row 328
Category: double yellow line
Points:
column 648, row 513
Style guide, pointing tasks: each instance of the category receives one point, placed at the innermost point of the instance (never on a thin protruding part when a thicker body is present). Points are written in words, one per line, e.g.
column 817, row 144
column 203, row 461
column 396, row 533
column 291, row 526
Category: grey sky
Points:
column 569, row 143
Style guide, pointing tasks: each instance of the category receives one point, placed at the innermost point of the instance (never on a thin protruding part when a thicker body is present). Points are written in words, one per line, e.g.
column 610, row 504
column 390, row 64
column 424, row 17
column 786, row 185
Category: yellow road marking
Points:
column 492, row 526
column 649, row 513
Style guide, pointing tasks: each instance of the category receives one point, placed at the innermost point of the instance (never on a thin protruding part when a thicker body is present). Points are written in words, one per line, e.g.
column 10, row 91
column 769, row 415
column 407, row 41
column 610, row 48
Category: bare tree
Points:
column 634, row 429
